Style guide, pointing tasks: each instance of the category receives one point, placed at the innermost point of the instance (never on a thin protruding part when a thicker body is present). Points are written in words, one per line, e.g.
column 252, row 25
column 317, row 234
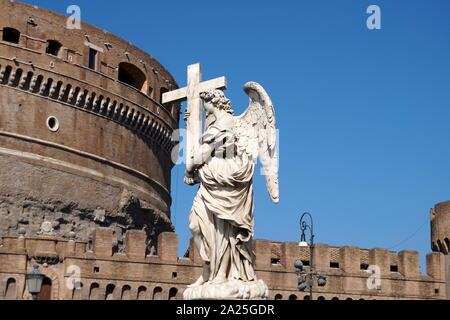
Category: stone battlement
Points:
column 167, row 273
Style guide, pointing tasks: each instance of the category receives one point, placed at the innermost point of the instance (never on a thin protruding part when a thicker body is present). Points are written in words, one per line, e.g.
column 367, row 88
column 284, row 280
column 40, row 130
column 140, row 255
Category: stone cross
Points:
column 191, row 93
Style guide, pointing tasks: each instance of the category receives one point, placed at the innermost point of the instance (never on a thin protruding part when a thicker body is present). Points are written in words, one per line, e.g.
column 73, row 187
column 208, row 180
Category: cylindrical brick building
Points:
column 84, row 139
column 440, row 227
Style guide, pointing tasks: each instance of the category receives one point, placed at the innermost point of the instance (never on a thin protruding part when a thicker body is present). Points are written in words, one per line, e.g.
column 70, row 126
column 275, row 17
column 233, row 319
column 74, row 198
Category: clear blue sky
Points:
column 363, row 114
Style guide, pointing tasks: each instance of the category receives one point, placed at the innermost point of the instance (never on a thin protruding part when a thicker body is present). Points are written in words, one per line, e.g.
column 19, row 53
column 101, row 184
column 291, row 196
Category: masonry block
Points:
column 436, row 266
column 168, row 247
column 102, row 242
column 135, row 244
column 409, row 263
column 194, row 254
column 262, row 249
column 350, row 259
column 45, row 246
column 321, row 256
column 289, row 253
column 381, row 258
column 70, row 248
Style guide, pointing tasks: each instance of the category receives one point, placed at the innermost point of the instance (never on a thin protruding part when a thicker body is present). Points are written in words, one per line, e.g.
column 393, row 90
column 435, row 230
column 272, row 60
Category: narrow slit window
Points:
column 93, row 56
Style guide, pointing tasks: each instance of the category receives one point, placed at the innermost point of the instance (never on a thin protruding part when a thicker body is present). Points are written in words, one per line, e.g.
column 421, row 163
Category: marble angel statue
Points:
column 221, row 219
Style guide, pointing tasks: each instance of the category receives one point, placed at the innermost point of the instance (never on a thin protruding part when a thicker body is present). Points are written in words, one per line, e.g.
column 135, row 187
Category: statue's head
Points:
column 216, row 99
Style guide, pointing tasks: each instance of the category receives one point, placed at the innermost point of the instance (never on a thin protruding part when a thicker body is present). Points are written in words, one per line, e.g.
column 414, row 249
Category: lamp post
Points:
column 306, row 279
column 34, row 281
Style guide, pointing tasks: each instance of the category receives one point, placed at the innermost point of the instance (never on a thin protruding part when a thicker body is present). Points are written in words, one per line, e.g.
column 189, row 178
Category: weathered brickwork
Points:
column 84, row 139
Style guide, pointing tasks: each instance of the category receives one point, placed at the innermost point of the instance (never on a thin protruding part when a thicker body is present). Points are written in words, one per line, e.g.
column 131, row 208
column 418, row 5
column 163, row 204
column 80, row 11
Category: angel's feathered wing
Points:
column 257, row 135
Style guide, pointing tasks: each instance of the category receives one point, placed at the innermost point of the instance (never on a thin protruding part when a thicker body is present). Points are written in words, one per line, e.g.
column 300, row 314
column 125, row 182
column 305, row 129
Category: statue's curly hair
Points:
column 218, row 99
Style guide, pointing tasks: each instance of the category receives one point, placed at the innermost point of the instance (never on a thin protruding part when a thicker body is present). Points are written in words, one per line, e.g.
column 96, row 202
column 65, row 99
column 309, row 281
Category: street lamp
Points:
column 306, row 279
column 34, row 281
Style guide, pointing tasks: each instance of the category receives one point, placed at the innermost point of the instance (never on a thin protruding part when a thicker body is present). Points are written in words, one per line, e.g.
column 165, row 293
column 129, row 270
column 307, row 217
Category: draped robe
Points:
column 223, row 208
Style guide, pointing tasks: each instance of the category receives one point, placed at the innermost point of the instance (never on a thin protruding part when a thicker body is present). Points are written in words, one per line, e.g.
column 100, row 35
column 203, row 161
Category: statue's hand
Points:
column 191, row 179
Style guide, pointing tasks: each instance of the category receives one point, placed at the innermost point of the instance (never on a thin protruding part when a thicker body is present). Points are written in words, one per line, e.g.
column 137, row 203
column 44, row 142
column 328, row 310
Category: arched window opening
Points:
column 442, row 248
column 94, row 291
column 133, row 76
column 76, row 292
column 126, row 290
column 278, row 297
column 306, row 298
column 109, row 294
column 6, row 75
column 173, row 294
column 321, row 298
column 157, row 293
column 11, row 35
column 11, row 289
column 293, row 297
column 335, row 299
column 53, row 47
column 142, row 293
column 46, row 290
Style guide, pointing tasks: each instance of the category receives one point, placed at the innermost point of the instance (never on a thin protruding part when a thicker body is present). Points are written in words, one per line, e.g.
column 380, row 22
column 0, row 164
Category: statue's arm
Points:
column 191, row 178
column 200, row 157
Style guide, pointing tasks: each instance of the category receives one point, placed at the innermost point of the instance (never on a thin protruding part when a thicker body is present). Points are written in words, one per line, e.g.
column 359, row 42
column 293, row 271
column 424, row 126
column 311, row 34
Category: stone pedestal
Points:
column 231, row 290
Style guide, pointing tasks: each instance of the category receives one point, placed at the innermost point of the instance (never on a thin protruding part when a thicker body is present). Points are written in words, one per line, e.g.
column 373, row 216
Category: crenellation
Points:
column 436, row 266
column 381, row 258
column 194, row 254
column 103, row 242
column 135, row 244
column 70, row 249
column 262, row 249
column 409, row 263
column 168, row 247
column 350, row 259
column 289, row 253
column 321, row 257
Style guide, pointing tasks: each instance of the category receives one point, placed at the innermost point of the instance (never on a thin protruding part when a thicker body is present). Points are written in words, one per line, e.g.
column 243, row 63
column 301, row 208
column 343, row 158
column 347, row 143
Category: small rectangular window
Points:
column 394, row 268
column 93, row 55
column 364, row 266
column 334, row 265
column 276, row 261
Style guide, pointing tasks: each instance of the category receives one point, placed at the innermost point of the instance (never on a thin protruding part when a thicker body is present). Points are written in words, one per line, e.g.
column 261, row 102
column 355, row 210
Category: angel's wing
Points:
column 257, row 135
